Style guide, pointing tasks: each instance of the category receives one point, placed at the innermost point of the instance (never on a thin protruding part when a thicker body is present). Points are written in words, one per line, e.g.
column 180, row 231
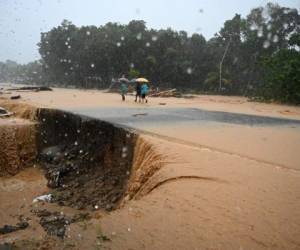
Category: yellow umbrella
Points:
column 141, row 80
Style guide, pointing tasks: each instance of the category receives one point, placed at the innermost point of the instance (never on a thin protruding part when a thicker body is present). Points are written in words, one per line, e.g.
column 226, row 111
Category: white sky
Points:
column 21, row 21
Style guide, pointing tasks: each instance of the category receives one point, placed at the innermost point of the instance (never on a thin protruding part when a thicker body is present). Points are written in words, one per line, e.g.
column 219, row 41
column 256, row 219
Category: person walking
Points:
column 138, row 92
column 144, row 92
column 123, row 90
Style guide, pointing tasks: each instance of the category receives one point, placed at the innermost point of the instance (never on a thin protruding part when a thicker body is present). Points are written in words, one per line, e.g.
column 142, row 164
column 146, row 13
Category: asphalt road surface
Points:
column 142, row 117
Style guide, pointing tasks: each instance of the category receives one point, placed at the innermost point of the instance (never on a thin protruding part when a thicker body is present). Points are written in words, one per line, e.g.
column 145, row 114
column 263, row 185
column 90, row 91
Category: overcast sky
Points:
column 21, row 21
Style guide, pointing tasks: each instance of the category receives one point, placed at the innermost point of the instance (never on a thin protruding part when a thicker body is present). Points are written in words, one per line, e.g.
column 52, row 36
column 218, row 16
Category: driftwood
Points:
column 4, row 112
column 29, row 88
column 14, row 97
column 166, row 93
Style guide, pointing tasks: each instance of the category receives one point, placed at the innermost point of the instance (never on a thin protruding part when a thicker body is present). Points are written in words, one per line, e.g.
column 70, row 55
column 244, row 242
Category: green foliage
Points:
column 133, row 73
column 282, row 77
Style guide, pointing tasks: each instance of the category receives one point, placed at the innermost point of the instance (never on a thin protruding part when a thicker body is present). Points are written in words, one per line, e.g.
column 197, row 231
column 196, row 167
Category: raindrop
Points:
column 44, row 119
column 124, row 155
column 131, row 65
column 69, row 47
column 66, row 43
column 92, row 65
column 128, row 229
column 285, row 26
column 113, row 233
column 189, row 70
column 122, row 38
column 68, row 39
column 88, row 33
column 269, row 36
column 275, row 39
column 253, row 26
column 201, row 11
column 119, row 44
column 154, row 38
column 96, row 206
column 66, row 135
column 78, row 131
column 124, row 149
column 127, row 172
column 75, row 143
column 266, row 44
column 147, row 44
column 137, row 11
column 139, row 36
column 260, row 32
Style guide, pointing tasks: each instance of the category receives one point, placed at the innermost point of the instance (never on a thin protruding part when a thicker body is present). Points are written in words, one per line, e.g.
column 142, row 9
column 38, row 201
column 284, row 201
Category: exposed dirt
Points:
column 17, row 145
column 87, row 161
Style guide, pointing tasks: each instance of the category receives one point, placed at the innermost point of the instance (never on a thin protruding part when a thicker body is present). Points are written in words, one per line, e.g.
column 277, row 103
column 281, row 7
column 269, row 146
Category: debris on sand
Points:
column 14, row 97
column 46, row 197
column 4, row 112
column 55, row 223
column 139, row 114
column 162, row 103
column 33, row 88
column 166, row 93
column 9, row 229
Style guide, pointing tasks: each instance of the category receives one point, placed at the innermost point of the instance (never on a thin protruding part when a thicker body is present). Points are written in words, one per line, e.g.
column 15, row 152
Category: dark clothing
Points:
column 138, row 89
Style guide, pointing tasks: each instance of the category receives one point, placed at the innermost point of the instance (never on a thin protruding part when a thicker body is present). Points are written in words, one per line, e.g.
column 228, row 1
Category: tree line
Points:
column 255, row 56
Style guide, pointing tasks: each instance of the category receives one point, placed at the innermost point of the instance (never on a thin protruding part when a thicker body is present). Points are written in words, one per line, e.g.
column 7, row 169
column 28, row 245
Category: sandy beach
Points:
column 221, row 185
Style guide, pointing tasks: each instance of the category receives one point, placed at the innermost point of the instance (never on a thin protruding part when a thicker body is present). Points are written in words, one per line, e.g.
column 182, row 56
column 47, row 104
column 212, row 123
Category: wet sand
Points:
column 222, row 186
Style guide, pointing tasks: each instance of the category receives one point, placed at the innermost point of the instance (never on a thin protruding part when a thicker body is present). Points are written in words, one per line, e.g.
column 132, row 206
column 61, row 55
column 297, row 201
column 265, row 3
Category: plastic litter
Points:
column 45, row 197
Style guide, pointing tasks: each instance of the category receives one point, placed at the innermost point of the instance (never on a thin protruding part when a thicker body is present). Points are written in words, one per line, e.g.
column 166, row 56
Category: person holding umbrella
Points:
column 144, row 92
column 123, row 87
column 143, row 88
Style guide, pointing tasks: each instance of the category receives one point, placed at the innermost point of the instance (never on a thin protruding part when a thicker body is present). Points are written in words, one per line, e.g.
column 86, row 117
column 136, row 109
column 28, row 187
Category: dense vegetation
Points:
column 258, row 56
